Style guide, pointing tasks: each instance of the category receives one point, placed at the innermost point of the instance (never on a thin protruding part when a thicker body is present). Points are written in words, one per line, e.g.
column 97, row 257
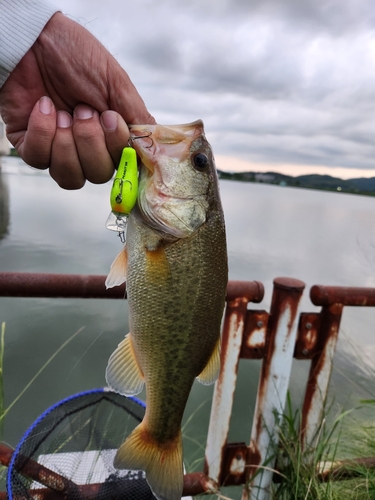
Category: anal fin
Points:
column 123, row 373
column 211, row 371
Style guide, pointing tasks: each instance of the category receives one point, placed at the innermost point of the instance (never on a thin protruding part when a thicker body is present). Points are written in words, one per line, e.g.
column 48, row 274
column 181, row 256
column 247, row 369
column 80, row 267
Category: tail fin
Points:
column 162, row 463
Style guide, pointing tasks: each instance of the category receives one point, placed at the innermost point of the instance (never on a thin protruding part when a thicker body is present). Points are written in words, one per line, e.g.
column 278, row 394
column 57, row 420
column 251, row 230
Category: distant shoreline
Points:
column 362, row 185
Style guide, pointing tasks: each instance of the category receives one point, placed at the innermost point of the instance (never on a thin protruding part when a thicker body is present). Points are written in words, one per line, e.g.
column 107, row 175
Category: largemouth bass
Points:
column 177, row 274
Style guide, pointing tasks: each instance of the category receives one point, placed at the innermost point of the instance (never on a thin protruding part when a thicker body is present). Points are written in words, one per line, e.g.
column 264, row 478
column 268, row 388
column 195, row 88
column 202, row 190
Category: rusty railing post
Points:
column 320, row 369
column 238, row 296
column 273, row 385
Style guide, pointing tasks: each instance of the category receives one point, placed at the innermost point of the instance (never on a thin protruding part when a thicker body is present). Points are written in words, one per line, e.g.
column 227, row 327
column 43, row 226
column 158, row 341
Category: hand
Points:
column 42, row 105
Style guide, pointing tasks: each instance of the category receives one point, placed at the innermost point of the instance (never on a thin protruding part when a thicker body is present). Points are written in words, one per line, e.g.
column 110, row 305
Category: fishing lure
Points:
column 124, row 192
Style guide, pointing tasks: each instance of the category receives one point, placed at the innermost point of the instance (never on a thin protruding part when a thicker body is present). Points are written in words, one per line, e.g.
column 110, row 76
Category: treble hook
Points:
column 147, row 136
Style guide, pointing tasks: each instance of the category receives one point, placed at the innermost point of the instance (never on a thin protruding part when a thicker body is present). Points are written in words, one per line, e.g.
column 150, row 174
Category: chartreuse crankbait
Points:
column 124, row 192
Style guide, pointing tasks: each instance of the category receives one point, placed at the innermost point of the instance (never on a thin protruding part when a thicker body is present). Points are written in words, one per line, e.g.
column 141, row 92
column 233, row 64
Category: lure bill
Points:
column 124, row 191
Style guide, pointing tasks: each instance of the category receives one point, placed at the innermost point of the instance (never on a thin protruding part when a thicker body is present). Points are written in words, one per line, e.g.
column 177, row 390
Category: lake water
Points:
column 318, row 237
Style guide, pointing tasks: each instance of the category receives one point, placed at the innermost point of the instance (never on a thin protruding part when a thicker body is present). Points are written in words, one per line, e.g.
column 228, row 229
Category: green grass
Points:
column 27, row 386
column 299, row 469
column 5, row 410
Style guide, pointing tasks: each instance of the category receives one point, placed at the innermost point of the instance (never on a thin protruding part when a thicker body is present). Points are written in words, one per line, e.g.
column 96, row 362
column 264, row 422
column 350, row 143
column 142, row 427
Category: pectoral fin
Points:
column 123, row 373
column 118, row 270
column 212, row 368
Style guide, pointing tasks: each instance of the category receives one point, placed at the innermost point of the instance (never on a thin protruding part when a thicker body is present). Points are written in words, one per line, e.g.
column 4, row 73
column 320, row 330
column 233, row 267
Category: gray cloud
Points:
column 283, row 81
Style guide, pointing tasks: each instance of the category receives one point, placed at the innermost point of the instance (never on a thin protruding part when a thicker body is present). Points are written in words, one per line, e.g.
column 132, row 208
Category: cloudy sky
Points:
column 282, row 85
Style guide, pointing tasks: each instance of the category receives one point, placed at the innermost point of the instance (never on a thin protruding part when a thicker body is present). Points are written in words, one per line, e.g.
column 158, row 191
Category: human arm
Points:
column 21, row 22
column 66, row 105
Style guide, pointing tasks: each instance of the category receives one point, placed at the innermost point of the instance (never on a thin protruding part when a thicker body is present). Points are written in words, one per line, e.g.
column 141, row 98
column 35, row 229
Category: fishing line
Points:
column 40, row 371
column 84, row 354
column 92, row 343
column 183, row 428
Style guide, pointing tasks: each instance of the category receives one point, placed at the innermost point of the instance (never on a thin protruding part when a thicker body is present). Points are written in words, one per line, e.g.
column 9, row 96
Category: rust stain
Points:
column 51, row 481
column 253, row 291
column 307, row 335
column 254, row 459
column 6, row 453
column 237, row 302
column 234, row 464
column 254, row 338
column 289, row 284
column 197, row 483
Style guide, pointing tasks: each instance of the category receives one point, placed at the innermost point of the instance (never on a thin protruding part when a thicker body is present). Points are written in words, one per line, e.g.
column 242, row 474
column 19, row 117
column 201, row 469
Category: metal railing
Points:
column 275, row 337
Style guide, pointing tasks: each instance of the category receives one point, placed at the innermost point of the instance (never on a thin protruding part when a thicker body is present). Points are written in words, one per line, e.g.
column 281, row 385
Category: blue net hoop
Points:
column 68, row 451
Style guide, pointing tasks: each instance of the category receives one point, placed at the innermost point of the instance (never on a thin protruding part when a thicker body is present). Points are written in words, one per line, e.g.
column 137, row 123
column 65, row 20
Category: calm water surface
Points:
column 318, row 237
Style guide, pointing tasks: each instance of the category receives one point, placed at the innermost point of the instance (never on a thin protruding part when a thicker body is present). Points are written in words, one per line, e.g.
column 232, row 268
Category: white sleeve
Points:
column 21, row 22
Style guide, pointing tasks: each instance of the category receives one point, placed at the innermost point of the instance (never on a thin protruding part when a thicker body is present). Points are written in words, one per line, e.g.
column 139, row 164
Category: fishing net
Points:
column 68, row 452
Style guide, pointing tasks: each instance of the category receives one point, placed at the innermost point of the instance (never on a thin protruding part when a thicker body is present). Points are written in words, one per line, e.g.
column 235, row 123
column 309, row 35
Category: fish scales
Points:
column 175, row 312
column 176, row 283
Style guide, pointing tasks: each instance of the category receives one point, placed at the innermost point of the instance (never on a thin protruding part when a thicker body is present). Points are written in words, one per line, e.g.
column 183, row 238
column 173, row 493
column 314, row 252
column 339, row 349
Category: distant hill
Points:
column 361, row 185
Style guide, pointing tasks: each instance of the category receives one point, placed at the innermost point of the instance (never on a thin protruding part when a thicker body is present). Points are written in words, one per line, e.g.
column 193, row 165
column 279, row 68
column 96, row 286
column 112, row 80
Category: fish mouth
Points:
column 152, row 141
column 167, row 134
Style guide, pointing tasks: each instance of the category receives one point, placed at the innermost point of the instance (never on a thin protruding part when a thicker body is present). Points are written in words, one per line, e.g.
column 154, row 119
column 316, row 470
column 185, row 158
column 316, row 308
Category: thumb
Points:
column 125, row 98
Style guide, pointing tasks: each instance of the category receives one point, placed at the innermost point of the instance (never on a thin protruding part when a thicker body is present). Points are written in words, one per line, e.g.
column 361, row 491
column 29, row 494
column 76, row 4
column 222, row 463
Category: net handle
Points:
column 37, row 472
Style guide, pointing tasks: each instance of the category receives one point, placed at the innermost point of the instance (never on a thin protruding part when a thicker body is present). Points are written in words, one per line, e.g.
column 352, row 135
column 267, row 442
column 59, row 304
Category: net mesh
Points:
column 68, row 452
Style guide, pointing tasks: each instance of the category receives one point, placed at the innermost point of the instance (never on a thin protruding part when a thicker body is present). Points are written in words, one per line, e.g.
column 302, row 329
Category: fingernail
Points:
column 83, row 112
column 109, row 120
column 64, row 120
column 45, row 105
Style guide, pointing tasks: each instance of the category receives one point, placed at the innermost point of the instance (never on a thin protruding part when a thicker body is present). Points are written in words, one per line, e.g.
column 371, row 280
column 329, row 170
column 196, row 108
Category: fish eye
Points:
column 200, row 161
